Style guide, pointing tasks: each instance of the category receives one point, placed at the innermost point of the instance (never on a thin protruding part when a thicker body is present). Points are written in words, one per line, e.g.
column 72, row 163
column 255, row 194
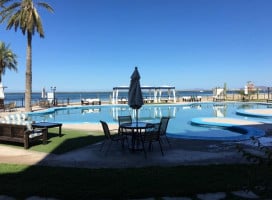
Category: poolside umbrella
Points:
column 135, row 97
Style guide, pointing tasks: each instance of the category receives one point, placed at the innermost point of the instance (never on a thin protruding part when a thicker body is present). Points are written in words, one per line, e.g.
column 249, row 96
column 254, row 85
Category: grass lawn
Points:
column 70, row 140
column 21, row 181
column 74, row 183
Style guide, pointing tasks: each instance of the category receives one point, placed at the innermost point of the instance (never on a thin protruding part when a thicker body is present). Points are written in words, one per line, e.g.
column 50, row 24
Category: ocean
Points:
column 72, row 97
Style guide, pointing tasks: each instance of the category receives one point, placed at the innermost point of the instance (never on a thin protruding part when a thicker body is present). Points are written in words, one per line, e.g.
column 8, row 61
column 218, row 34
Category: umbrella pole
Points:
column 136, row 117
column 138, row 134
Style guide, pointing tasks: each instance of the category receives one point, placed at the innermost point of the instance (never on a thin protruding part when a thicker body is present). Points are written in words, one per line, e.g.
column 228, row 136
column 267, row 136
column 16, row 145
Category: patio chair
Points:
column 109, row 137
column 150, row 136
column 162, row 127
column 10, row 107
column 121, row 120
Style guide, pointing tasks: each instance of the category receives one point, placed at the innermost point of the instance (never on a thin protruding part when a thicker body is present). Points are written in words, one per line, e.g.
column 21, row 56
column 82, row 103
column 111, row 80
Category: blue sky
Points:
column 93, row 45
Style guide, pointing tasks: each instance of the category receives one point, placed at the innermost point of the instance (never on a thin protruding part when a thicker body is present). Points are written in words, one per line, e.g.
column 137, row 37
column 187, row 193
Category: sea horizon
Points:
column 101, row 91
column 64, row 97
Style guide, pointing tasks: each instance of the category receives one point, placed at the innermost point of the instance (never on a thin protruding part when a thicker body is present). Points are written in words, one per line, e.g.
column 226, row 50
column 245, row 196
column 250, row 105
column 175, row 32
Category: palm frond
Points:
column 46, row 6
column 23, row 15
column 7, row 59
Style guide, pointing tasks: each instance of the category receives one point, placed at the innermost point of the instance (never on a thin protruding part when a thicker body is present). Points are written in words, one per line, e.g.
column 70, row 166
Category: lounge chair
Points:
column 91, row 101
column 10, row 107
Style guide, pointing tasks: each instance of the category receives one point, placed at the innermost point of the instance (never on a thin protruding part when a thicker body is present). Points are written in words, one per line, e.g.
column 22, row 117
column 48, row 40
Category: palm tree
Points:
column 24, row 15
column 7, row 59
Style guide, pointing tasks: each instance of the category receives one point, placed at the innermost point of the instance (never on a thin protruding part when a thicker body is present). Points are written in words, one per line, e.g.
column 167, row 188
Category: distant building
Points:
column 219, row 94
column 249, row 88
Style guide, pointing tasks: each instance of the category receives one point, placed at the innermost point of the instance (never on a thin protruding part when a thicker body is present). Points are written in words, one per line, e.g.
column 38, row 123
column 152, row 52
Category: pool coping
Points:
column 247, row 130
column 248, row 112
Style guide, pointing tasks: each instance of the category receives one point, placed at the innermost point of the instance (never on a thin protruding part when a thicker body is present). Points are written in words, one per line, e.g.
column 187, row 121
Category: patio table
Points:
column 47, row 125
column 136, row 129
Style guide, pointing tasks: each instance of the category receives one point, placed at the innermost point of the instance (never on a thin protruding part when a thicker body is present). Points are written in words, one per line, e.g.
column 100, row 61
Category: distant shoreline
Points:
column 86, row 92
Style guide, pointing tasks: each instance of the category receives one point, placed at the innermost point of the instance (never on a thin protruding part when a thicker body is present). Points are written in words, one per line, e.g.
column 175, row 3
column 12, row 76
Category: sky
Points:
column 94, row 45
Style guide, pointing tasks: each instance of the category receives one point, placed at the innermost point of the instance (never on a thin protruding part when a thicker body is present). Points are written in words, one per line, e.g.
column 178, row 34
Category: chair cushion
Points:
column 35, row 133
column 29, row 126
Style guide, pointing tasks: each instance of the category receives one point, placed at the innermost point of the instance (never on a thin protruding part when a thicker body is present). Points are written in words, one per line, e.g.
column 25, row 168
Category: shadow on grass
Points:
column 77, row 183
column 69, row 140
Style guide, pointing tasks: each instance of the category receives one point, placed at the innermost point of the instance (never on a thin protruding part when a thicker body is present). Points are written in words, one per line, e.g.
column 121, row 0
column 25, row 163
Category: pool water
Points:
column 180, row 122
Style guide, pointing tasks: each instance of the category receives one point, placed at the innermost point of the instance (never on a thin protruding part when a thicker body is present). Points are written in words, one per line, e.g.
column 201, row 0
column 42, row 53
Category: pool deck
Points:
column 181, row 152
column 255, row 112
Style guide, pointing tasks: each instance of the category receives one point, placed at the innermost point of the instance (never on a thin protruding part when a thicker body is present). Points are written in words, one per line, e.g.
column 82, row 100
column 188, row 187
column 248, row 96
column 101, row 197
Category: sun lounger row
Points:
column 91, row 101
column 123, row 101
column 191, row 98
column 8, row 107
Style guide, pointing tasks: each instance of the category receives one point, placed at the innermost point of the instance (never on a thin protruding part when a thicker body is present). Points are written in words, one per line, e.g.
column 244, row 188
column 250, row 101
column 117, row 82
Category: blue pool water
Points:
column 181, row 115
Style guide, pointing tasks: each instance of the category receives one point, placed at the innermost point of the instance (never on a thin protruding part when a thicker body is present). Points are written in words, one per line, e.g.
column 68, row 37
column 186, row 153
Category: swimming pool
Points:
column 179, row 125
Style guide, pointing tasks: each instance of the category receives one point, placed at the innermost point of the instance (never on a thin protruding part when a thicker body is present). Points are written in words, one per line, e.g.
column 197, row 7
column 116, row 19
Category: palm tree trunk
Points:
column 28, row 89
column 1, row 67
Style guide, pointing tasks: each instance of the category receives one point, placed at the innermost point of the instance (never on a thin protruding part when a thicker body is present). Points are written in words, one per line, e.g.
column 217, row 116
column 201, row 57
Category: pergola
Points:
column 155, row 94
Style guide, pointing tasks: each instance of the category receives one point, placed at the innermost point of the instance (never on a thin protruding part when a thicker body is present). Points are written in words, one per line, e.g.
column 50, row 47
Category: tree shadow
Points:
column 68, row 183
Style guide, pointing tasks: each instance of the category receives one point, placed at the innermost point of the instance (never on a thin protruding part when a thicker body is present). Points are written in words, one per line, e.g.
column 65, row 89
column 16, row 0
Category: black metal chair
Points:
column 111, row 137
column 121, row 120
column 161, row 127
column 150, row 136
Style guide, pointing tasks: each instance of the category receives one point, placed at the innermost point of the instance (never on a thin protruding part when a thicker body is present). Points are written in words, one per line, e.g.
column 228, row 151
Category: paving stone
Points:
column 176, row 198
column 5, row 197
column 39, row 198
column 246, row 194
column 213, row 196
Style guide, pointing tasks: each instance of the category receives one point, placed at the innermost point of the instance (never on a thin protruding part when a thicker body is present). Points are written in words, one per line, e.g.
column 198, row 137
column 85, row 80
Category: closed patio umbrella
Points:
column 135, row 97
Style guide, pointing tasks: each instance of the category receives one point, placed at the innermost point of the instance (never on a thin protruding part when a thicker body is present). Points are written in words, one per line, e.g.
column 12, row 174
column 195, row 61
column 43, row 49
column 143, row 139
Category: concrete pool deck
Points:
column 181, row 152
column 255, row 112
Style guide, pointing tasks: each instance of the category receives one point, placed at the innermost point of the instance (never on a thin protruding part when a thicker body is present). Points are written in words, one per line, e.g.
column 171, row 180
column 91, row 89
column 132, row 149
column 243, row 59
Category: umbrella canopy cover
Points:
column 135, row 97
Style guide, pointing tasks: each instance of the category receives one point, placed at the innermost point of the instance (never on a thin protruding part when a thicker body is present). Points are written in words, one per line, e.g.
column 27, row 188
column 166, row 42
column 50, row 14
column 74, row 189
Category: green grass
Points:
column 74, row 183
column 70, row 140
column 21, row 181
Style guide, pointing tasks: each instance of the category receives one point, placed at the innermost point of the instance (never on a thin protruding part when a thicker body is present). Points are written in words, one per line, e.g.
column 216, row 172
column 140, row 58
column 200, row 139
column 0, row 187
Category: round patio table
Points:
column 135, row 130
